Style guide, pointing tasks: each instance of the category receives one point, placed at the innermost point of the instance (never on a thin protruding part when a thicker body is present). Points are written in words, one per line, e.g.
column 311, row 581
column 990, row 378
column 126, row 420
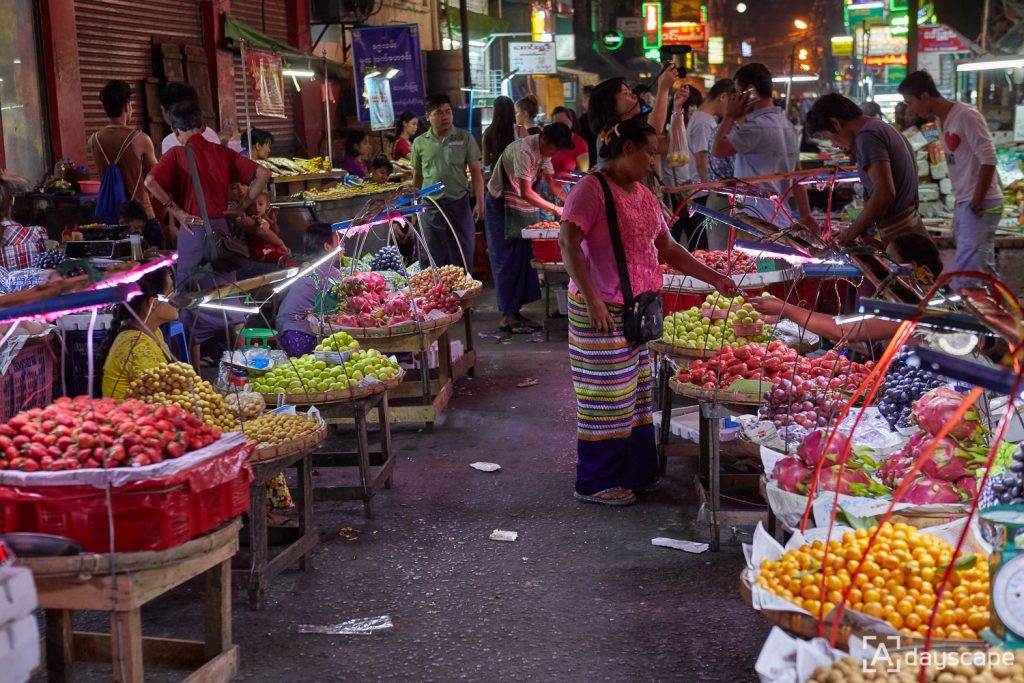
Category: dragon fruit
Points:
column 927, row 491
column 356, row 303
column 852, row 482
column 791, row 474
column 346, row 320
column 968, row 486
column 892, row 472
column 947, row 462
column 353, row 285
column 935, row 408
column 367, row 320
column 812, row 448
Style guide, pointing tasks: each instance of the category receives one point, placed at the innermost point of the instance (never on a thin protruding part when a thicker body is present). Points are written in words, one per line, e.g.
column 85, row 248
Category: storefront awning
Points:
column 235, row 32
column 480, row 25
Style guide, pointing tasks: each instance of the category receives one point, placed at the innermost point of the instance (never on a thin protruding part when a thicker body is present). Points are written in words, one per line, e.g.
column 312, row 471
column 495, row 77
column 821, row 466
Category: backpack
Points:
column 113, row 192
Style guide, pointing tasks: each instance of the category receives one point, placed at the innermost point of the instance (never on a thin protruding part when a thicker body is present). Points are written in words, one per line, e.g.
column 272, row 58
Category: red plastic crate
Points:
column 547, row 251
column 152, row 514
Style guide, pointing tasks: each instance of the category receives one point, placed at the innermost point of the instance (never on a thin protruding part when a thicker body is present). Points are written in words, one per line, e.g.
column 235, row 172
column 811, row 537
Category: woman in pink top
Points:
column 577, row 158
column 616, row 455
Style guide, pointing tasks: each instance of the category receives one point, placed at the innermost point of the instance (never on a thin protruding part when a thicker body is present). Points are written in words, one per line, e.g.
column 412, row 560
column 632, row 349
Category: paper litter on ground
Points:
column 486, row 466
column 500, row 535
column 688, row 546
column 352, row 627
column 528, row 382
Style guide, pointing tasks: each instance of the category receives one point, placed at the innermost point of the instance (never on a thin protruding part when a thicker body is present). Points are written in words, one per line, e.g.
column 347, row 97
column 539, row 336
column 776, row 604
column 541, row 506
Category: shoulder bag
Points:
column 224, row 251
column 643, row 316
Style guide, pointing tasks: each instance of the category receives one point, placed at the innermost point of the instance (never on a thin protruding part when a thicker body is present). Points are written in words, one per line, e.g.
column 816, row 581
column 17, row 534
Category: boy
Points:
column 133, row 214
column 380, row 169
column 294, row 335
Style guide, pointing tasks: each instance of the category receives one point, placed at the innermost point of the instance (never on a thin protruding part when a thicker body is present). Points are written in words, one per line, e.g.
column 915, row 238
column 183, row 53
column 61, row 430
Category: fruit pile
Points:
column 49, row 259
column 178, row 384
column 692, row 330
column 306, row 374
column 79, row 433
column 451, row 278
column 948, row 474
column 388, row 258
column 545, row 225
column 727, row 262
column 796, row 472
column 903, row 385
column 366, row 302
column 341, row 191
column 271, row 428
column 339, row 341
column 897, row 580
column 774, row 363
column 1006, row 488
column 962, row 666
column 437, row 298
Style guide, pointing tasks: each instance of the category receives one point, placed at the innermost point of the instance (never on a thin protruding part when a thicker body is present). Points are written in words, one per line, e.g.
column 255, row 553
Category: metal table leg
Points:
column 710, row 450
column 665, row 396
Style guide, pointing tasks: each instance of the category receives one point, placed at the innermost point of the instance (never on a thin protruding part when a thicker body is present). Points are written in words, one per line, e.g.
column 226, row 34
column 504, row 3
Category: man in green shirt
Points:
column 443, row 154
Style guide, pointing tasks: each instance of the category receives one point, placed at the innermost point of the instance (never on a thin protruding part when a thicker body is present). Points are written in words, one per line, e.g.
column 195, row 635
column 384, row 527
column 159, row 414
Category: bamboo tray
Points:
column 338, row 396
column 280, row 450
column 739, row 398
column 469, row 298
column 405, row 329
column 681, row 351
column 805, row 625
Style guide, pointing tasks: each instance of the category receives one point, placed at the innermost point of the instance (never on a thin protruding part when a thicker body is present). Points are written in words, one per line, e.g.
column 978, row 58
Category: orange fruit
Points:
column 978, row 620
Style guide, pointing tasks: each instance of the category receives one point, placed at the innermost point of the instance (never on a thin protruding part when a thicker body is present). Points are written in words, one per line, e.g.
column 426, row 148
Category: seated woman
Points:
column 357, row 150
column 134, row 342
column 293, row 332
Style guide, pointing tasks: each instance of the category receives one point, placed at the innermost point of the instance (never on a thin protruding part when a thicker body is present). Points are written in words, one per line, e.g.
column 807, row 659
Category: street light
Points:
column 800, row 24
column 741, row 7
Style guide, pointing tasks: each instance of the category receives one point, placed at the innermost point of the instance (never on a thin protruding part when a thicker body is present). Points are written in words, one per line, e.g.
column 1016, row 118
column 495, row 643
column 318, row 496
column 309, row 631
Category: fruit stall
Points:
column 547, row 260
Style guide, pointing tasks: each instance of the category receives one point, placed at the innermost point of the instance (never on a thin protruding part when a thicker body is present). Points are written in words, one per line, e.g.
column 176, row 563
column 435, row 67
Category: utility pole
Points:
column 912, row 39
column 464, row 23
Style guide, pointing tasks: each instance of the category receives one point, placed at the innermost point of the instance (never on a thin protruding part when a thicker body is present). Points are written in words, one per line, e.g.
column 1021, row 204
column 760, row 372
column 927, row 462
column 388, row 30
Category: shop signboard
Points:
column 716, row 50
column 266, row 82
column 631, row 27
column 532, row 58
column 881, row 42
column 941, row 38
column 692, row 33
column 860, row 12
column 382, row 48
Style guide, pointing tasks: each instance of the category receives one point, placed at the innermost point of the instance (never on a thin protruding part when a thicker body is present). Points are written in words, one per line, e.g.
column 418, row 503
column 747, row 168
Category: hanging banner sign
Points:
column 378, row 101
column 266, row 82
column 532, row 58
column 941, row 38
column 689, row 33
column 382, row 48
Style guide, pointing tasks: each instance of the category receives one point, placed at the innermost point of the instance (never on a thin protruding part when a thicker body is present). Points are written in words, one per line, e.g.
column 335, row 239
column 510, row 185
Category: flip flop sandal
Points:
column 516, row 329
column 596, row 497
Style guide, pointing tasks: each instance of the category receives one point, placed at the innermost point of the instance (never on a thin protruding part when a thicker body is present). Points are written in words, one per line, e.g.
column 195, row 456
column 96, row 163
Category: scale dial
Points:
column 1008, row 595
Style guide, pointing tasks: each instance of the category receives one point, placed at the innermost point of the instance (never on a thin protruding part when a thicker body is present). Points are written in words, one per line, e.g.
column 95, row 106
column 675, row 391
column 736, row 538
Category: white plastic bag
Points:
column 678, row 147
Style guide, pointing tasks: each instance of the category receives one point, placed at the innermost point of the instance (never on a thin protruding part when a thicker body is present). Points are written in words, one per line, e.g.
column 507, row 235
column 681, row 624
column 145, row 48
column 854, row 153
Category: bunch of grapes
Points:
column 388, row 258
column 438, row 299
column 903, row 385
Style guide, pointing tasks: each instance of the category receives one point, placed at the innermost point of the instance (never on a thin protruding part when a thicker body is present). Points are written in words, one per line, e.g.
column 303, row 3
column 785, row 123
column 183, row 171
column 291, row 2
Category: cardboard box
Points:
column 28, row 382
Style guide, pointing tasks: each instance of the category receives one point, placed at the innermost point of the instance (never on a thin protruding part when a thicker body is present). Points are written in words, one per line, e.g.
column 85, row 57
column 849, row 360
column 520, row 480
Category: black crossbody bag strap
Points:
column 613, row 229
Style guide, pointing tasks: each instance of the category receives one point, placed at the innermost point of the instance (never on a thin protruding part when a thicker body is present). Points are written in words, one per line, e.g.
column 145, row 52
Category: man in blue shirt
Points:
column 765, row 143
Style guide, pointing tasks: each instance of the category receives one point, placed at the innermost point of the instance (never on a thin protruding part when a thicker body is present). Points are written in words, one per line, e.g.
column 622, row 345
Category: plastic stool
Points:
column 257, row 335
column 174, row 335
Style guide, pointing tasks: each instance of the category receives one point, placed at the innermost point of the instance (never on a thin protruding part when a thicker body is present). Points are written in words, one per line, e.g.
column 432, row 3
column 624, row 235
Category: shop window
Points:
column 22, row 107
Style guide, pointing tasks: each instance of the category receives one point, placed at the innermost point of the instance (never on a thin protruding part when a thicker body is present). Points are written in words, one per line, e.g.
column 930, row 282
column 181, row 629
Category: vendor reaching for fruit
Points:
column 616, row 451
column 293, row 331
column 871, row 330
column 134, row 342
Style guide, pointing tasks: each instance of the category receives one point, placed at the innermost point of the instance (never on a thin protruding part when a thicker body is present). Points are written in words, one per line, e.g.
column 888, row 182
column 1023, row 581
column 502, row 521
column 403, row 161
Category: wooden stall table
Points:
column 555, row 275
column 425, row 393
column 359, row 412
column 466, row 366
column 85, row 582
column 266, row 464
column 715, row 405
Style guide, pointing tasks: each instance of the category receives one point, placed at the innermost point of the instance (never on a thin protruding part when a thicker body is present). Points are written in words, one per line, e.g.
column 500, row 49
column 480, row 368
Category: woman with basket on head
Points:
column 613, row 235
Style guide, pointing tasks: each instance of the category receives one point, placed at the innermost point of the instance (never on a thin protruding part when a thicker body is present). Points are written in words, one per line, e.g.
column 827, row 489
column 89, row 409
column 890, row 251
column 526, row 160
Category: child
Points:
column 265, row 243
column 133, row 215
column 380, row 170
column 294, row 335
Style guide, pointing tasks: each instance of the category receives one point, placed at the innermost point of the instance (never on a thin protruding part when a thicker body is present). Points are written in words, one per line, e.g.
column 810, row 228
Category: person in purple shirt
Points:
column 357, row 151
column 294, row 335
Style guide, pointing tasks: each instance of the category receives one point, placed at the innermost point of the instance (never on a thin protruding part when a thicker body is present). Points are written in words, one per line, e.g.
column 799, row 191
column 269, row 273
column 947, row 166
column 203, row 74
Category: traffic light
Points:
column 652, row 25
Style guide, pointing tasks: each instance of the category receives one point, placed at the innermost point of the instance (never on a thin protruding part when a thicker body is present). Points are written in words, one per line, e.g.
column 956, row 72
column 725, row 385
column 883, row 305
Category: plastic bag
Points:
column 678, row 147
column 245, row 405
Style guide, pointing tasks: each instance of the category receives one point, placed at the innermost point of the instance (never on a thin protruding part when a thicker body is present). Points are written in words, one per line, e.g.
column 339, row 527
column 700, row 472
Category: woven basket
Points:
column 280, row 450
column 740, row 398
column 339, row 396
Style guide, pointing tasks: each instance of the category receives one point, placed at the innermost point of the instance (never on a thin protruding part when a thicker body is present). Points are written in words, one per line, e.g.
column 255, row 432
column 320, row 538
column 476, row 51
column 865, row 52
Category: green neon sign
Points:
column 612, row 40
